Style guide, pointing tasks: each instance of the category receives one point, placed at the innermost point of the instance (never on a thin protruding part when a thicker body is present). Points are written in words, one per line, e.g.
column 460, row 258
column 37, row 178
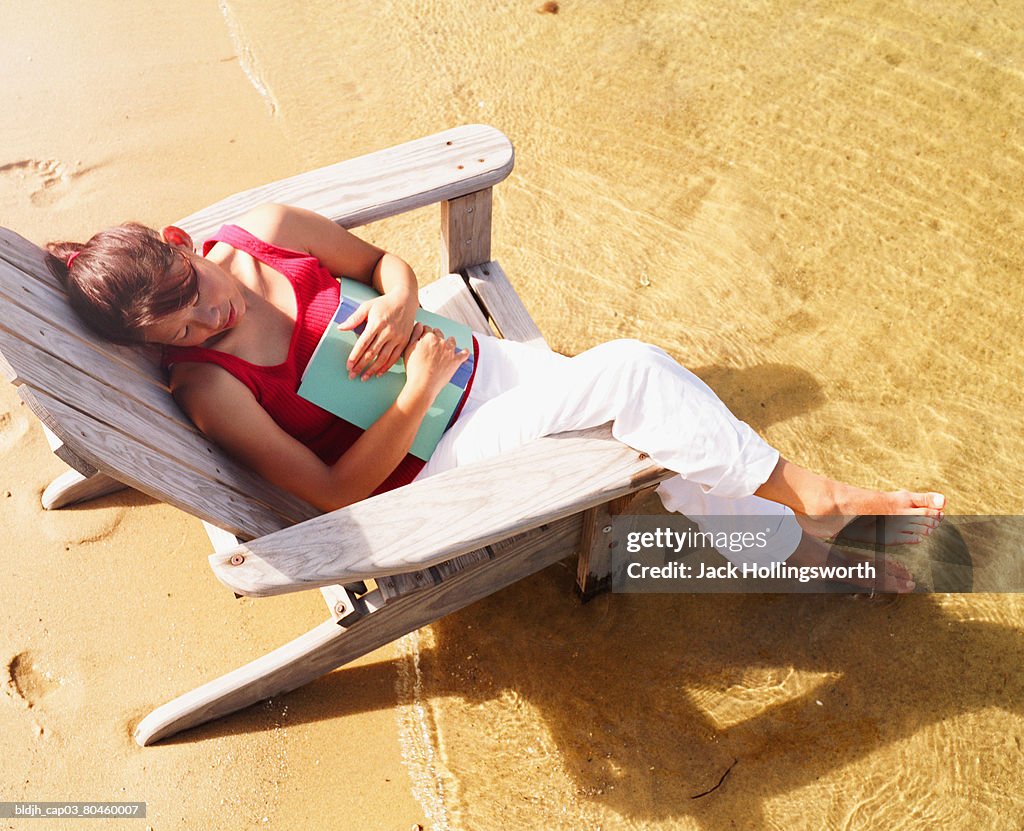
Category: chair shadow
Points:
column 667, row 680
column 733, row 699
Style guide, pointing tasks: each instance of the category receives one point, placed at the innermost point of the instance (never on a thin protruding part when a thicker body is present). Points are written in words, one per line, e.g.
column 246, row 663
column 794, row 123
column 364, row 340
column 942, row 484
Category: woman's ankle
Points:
column 802, row 490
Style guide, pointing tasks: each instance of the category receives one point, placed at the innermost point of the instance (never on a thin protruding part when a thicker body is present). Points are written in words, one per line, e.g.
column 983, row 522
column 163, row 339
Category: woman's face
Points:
column 218, row 307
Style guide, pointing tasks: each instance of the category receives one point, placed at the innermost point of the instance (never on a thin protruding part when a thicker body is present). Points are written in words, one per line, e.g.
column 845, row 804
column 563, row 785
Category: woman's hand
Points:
column 431, row 360
column 389, row 324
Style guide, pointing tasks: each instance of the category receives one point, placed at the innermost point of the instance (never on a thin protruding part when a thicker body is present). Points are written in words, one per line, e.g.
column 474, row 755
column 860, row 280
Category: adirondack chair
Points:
column 388, row 565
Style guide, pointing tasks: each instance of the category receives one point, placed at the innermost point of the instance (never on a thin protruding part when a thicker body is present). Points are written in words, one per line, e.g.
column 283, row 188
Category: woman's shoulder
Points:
column 199, row 387
column 296, row 231
column 283, row 226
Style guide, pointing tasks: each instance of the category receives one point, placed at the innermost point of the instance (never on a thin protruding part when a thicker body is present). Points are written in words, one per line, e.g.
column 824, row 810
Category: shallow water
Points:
column 814, row 206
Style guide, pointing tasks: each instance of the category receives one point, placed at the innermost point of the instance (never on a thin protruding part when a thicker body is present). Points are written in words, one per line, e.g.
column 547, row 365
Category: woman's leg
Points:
column 658, row 407
column 785, row 539
column 655, row 406
column 828, row 507
column 716, row 514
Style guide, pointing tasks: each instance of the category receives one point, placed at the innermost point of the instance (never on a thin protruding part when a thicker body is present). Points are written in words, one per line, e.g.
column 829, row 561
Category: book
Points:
column 325, row 381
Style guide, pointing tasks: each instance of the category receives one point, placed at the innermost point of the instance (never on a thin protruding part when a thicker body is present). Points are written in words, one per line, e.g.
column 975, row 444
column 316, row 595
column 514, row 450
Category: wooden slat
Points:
column 451, row 297
column 442, row 166
column 43, row 359
column 435, row 519
column 327, row 646
column 35, row 306
column 562, row 535
column 61, row 451
column 163, row 476
column 466, row 231
column 120, row 390
column 26, row 256
column 397, row 585
column 450, row 568
column 25, row 281
column 117, row 410
column 73, row 486
column 495, row 294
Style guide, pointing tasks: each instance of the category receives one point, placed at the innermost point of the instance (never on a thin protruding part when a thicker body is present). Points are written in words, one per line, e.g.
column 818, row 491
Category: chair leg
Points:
column 328, row 646
column 594, row 566
column 71, row 486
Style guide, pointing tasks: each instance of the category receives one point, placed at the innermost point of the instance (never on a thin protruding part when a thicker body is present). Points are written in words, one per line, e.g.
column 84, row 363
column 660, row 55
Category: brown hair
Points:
column 122, row 279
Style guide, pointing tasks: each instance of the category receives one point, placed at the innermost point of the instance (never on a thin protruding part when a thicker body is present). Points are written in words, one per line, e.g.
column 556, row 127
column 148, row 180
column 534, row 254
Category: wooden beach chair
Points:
column 387, row 565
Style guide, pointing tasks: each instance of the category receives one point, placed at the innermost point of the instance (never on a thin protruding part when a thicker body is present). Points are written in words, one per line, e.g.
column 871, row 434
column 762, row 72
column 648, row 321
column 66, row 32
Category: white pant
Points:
column 521, row 393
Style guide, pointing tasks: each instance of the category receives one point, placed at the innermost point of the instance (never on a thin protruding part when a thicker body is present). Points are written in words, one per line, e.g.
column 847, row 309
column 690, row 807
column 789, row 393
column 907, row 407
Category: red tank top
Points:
column 317, row 294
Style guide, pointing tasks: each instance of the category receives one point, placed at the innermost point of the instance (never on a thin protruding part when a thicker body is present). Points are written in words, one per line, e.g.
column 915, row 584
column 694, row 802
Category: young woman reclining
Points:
column 238, row 323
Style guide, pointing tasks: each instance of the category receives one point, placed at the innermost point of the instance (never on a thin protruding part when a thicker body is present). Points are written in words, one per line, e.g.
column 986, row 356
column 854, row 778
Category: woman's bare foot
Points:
column 890, row 576
column 906, row 529
column 826, row 507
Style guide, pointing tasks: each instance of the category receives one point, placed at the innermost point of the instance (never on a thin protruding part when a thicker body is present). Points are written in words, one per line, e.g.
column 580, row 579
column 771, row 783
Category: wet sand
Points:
column 816, row 209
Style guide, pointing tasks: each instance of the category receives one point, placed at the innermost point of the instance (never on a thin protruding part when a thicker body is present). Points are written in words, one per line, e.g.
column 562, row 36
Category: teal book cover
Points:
column 326, row 383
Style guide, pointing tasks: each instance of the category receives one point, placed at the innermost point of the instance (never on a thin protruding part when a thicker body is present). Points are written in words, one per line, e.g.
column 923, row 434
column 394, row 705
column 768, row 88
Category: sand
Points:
column 815, row 208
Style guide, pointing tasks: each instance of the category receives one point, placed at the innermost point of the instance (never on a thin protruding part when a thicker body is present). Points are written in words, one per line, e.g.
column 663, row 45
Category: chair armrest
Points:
column 440, row 167
column 435, row 519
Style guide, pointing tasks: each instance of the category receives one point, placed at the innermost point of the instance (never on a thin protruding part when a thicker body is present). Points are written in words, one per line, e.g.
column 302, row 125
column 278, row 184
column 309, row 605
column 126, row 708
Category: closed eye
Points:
column 192, row 305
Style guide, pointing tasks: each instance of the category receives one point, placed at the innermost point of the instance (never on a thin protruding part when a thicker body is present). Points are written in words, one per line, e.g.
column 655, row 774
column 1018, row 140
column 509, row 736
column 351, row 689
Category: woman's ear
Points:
column 173, row 235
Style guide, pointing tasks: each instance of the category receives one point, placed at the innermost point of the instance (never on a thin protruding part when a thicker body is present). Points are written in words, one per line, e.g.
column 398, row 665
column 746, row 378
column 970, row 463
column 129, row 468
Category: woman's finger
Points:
column 388, row 360
column 363, row 346
column 379, row 360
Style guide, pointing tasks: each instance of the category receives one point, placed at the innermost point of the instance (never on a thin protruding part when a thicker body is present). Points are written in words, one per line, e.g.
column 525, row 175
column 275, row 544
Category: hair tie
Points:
column 71, row 259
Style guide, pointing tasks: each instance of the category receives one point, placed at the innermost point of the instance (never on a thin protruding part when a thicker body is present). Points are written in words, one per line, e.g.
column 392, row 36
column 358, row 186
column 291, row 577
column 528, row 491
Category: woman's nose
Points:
column 211, row 317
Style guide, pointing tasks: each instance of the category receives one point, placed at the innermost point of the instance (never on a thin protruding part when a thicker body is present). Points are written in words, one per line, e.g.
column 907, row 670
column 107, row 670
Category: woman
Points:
column 239, row 323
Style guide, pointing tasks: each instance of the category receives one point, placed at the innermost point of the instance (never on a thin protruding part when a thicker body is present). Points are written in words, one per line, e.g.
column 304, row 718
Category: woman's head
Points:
column 125, row 279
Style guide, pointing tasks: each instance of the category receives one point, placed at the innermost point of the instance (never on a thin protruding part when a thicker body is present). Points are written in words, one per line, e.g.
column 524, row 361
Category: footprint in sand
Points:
column 27, row 681
column 12, row 427
column 44, row 179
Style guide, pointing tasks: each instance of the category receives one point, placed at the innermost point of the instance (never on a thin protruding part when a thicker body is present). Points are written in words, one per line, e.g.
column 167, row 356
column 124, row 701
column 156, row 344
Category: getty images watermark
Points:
column 771, row 554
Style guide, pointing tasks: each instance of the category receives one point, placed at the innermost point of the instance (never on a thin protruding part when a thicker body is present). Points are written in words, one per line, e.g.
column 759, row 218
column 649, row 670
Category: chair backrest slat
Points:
column 39, row 351
column 113, row 404
column 25, row 281
column 157, row 472
column 95, row 395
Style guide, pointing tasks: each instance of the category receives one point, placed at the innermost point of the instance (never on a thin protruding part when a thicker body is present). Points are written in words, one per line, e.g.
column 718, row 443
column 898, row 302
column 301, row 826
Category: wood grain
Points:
column 465, row 231
column 433, row 520
column 499, row 300
column 433, row 169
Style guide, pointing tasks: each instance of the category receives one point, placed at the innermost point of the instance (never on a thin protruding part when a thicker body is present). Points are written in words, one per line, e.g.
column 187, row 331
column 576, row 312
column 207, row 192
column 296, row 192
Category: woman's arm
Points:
column 389, row 319
column 225, row 410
